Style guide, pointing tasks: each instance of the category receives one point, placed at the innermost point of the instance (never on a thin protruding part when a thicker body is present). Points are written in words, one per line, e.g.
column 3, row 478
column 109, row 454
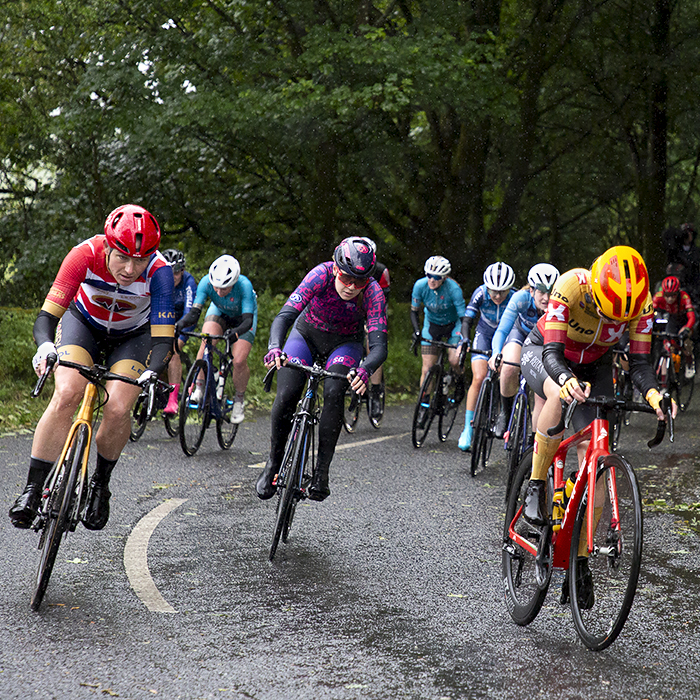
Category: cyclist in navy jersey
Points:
column 523, row 310
column 488, row 302
column 232, row 312
column 329, row 311
column 443, row 318
column 183, row 298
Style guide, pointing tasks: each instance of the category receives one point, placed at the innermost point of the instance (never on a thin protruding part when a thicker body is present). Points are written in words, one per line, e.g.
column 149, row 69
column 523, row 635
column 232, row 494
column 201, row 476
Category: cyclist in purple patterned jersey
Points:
column 328, row 311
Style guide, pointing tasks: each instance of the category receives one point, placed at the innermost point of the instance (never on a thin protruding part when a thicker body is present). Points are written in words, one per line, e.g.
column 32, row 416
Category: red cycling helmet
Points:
column 132, row 230
column 670, row 285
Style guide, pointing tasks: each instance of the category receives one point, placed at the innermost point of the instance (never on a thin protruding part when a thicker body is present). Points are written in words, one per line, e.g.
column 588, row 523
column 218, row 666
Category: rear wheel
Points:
column 139, row 417
column 194, row 416
column 615, row 559
column 450, row 405
column 425, row 408
column 58, row 511
column 524, row 594
column 226, row 429
column 351, row 412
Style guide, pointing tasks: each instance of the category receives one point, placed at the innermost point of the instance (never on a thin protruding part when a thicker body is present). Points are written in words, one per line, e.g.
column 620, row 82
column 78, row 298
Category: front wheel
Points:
column 482, row 434
column 685, row 386
column 375, row 405
column 601, row 600
column 524, row 592
column 194, row 415
column 139, row 417
column 451, row 399
column 517, row 439
column 226, row 429
column 57, row 512
column 351, row 411
column 425, row 408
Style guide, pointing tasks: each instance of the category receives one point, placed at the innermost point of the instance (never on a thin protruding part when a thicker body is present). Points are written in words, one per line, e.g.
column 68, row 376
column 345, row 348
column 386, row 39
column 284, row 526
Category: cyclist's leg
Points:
column 482, row 341
column 241, row 373
column 341, row 360
column 290, row 384
column 508, row 380
column 128, row 357
column 174, row 378
column 72, row 339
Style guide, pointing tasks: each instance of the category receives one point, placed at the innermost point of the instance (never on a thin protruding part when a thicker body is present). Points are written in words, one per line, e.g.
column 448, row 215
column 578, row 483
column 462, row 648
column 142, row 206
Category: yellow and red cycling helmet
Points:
column 620, row 283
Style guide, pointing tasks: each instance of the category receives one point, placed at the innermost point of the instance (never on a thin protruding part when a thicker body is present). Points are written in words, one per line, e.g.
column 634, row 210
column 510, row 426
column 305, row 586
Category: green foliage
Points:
column 16, row 345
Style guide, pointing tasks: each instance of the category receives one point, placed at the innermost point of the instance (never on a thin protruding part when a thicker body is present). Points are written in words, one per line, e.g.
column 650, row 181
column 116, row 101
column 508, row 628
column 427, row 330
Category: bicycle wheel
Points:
column 482, row 433
column 226, row 430
column 287, row 481
column 517, row 440
column 376, row 421
column 616, row 556
column 139, row 418
column 523, row 594
column 685, row 386
column 425, row 408
column 172, row 423
column 194, row 417
column 351, row 412
column 58, row 511
column 450, row 405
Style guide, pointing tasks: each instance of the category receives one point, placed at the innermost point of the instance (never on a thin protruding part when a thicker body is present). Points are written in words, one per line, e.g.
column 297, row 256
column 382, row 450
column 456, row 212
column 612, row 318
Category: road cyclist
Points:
column 568, row 356
column 443, row 318
column 183, row 297
column 377, row 389
column 232, row 313
column 327, row 314
column 488, row 303
column 111, row 303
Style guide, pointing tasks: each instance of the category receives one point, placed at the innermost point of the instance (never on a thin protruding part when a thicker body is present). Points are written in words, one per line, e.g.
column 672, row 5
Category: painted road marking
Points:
column 136, row 557
column 260, row 465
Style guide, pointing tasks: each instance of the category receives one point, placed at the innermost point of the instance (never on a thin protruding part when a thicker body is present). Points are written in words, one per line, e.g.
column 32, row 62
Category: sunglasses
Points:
column 437, row 278
column 543, row 289
column 356, row 282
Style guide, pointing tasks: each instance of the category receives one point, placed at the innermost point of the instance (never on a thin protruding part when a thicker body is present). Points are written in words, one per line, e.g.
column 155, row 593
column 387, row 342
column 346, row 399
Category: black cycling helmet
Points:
column 355, row 256
column 175, row 258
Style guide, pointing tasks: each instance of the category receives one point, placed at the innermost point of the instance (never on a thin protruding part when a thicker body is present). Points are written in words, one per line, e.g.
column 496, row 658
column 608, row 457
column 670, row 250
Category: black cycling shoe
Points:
column 499, row 430
column 26, row 507
column 97, row 512
column 535, row 510
column 318, row 488
column 264, row 486
column 584, row 586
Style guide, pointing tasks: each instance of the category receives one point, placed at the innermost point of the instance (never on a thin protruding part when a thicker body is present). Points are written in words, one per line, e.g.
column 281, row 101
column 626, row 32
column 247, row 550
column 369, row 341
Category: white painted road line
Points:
column 136, row 557
column 349, row 445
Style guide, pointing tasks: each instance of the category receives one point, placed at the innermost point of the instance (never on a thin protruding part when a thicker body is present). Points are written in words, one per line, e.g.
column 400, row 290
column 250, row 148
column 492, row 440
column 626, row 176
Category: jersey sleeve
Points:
column 248, row 299
column 505, row 325
column 474, row 306
column 202, row 295
column 416, row 295
column 458, row 300
column 162, row 312
column 70, row 276
column 640, row 330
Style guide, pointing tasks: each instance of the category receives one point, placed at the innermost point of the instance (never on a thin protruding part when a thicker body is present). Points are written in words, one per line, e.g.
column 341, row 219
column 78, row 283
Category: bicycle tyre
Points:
column 172, row 422
column 481, row 445
column 425, row 407
column 194, row 418
column 616, row 558
column 139, row 418
column 450, row 406
column 524, row 596
column 58, row 512
column 226, row 429
column 350, row 417
column 516, row 440
column 685, row 386
column 376, row 422
column 286, row 485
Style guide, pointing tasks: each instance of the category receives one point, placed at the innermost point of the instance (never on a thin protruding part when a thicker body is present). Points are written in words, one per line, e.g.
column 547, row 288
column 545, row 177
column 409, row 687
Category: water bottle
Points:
column 446, row 380
column 219, row 386
column 557, row 508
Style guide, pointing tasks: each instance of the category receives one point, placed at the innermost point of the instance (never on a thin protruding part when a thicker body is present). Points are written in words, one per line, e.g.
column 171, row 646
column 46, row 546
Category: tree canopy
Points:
column 520, row 130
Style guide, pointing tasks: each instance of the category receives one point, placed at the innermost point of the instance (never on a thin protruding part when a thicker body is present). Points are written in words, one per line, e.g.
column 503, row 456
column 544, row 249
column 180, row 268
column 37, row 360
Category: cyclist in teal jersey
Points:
column 233, row 312
column 444, row 306
column 488, row 302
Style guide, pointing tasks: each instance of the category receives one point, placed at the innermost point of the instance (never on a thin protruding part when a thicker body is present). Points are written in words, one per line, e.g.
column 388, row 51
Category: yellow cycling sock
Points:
column 545, row 449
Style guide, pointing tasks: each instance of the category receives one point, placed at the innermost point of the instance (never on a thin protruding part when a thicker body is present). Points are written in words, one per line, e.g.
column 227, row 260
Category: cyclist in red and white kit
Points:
column 111, row 303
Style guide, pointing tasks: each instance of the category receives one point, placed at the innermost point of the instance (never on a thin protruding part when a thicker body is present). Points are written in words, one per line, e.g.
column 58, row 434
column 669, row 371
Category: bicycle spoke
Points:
column 226, row 429
column 425, row 408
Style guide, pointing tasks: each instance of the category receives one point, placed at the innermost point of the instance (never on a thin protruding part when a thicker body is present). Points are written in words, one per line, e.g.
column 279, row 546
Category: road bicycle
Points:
column 518, row 436
column 218, row 394
column 353, row 406
column 670, row 366
column 66, row 488
column 597, row 510
column 488, row 406
column 440, row 395
column 623, row 389
column 298, row 463
column 139, row 414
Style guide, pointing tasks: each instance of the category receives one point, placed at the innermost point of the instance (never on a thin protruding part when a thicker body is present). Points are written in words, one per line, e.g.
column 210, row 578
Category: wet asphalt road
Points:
column 389, row 589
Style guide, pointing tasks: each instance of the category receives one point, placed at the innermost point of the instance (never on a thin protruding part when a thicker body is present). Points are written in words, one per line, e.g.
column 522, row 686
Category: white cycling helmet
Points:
column 437, row 265
column 542, row 276
column 224, row 271
column 499, row 277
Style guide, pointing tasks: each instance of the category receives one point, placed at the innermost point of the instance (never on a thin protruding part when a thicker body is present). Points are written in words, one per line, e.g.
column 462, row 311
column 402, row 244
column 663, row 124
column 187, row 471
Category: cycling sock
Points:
column 545, row 449
column 240, row 395
column 38, row 470
column 103, row 470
